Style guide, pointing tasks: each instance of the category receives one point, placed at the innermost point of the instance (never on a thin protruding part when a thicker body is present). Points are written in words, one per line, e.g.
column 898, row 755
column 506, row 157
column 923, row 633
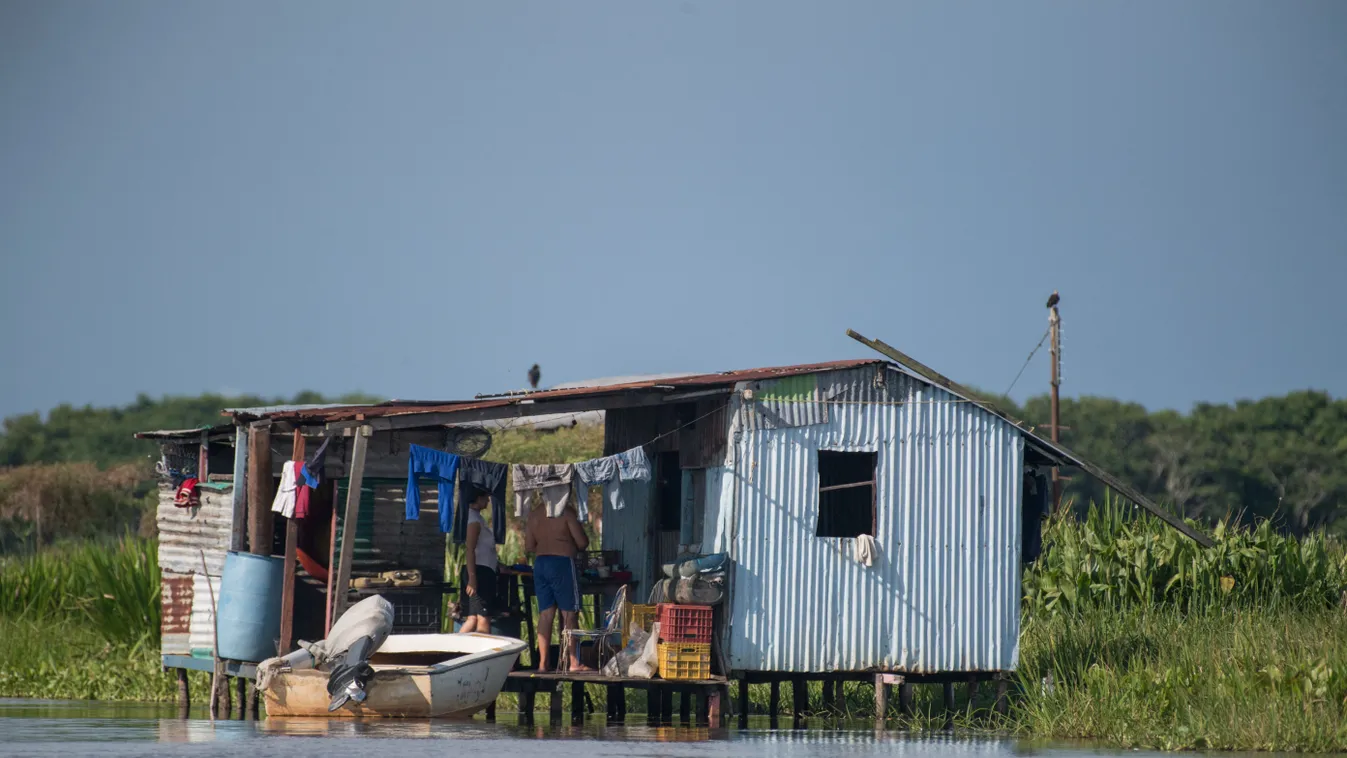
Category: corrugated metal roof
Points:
column 185, row 434
column 330, row 413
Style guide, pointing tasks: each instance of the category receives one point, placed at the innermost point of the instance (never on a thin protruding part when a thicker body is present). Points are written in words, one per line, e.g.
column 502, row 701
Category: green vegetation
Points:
column 1279, row 459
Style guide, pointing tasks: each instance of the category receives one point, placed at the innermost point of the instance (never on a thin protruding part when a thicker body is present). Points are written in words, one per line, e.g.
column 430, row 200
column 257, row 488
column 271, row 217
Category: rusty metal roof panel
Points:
column 401, row 407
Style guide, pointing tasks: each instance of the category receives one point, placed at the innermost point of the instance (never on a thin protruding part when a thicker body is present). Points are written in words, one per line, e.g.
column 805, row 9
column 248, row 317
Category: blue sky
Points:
column 421, row 199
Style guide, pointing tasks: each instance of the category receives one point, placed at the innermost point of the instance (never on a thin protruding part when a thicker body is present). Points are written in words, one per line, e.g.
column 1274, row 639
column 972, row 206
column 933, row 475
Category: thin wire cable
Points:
column 1032, row 353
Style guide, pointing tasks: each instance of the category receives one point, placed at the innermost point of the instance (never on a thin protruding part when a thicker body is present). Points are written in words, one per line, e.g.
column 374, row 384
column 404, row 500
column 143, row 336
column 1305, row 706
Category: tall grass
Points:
column 109, row 587
column 1116, row 558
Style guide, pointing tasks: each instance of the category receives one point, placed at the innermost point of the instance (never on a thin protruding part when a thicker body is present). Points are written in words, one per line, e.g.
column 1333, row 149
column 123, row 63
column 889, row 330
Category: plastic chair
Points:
column 612, row 627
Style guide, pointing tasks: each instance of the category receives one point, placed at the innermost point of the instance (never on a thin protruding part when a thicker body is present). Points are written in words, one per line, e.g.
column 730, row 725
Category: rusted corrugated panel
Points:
column 185, row 533
column 175, row 598
column 943, row 595
column 690, row 382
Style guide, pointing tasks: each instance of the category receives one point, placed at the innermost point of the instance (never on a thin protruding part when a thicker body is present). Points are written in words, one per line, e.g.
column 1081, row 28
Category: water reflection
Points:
column 51, row 728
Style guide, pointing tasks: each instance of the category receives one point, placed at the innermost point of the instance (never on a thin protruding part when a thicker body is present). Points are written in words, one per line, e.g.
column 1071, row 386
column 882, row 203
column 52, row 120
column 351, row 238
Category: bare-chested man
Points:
column 555, row 542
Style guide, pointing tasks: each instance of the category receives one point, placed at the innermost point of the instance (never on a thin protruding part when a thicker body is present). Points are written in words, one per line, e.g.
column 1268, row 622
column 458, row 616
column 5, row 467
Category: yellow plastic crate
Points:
column 685, row 660
column 642, row 615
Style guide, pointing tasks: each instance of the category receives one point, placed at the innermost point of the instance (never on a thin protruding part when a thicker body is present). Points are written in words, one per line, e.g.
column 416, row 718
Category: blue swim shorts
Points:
column 555, row 584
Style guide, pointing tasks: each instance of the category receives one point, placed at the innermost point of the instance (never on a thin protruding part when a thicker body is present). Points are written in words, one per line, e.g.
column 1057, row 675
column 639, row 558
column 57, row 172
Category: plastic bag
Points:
column 647, row 665
column 620, row 664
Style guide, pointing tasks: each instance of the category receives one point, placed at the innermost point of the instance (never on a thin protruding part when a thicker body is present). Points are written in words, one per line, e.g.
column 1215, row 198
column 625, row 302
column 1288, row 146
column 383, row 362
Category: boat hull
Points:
column 457, row 688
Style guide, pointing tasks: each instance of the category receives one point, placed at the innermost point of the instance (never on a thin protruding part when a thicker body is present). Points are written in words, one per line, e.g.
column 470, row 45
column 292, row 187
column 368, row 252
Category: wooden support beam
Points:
column 829, row 694
column 947, row 688
column 774, row 702
column 743, row 702
column 652, row 705
column 238, row 529
column 704, row 696
column 258, row 498
column 972, row 691
column 355, row 482
column 251, row 712
column 291, row 548
column 527, row 702
column 684, row 707
column 1002, row 695
column 490, row 713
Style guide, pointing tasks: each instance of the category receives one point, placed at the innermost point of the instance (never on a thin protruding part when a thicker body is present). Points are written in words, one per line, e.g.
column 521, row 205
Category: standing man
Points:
column 555, row 543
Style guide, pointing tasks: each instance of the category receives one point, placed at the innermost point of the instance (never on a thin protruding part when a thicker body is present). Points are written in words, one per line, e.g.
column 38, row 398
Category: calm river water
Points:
column 50, row 728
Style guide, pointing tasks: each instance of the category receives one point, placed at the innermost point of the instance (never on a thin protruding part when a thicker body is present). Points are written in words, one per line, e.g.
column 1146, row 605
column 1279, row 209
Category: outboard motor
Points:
column 349, row 675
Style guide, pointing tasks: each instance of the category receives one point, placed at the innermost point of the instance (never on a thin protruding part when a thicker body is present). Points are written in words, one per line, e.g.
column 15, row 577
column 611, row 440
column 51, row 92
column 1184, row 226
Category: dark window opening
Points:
column 669, row 491
column 846, row 494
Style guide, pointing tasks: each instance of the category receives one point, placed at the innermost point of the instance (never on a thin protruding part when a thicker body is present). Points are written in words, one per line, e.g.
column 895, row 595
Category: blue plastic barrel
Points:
column 248, row 619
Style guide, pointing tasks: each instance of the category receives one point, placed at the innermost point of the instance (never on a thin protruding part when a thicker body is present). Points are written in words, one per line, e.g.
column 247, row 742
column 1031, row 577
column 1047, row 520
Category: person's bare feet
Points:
column 580, row 668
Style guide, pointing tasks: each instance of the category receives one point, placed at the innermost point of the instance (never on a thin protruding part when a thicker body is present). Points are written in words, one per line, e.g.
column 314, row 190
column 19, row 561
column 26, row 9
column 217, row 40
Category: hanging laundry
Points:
column 284, row 503
column 633, row 465
column 609, row 472
column 186, row 496
column 423, row 462
column 552, row 480
column 302, row 492
column 487, row 477
column 312, row 470
column 599, row 472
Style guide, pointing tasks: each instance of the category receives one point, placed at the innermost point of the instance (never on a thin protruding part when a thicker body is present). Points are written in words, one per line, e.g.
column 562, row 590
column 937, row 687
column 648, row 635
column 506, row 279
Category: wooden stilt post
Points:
column 527, row 700
column 905, row 699
column 828, row 697
column 577, row 703
column 355, row 481
column 799, row 690
column 948, row 693
column 716, row 698
column 611, row 697
column 554, row 705
column 226, row 699
column 972, row 691
column 490, row 713
column 241, row 695
column 684, row 706
column 184, row 694
column 774, row 702
column 1002, row 695
column 652, row 705
column 666, row 706
column 251, row 711
column 881, row 700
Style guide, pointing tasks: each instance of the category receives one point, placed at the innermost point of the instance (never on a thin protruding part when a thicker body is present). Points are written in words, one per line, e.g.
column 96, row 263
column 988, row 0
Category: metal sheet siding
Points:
column 628, row 530
column 184, row 533
column 943, row 594
column 175, row 598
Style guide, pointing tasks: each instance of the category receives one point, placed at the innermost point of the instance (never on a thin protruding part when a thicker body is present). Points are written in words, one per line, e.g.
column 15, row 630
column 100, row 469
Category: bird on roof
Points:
column 1053, row 299
column 535, row 374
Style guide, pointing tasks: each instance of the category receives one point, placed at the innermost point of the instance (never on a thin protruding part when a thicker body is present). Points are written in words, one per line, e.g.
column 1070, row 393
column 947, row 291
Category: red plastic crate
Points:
column 684, row 623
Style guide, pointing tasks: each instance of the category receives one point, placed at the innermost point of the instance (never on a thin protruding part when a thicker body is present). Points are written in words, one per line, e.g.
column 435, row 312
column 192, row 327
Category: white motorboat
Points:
column 415, row 675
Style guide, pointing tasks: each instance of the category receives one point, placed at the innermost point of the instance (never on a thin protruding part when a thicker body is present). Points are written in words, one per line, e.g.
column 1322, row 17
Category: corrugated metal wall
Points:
column 943, row 594
column 185, row 536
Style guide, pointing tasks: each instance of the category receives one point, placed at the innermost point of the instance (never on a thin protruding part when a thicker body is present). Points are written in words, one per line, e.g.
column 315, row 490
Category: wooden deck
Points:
column 711, row 696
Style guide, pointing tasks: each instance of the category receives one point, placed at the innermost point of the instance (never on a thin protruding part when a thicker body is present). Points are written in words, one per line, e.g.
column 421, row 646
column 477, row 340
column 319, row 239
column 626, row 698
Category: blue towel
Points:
column 433, row 464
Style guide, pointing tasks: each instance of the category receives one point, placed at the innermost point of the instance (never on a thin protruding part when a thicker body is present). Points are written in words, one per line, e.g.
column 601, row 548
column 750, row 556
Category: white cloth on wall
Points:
column 284, row 503
column 865, row 550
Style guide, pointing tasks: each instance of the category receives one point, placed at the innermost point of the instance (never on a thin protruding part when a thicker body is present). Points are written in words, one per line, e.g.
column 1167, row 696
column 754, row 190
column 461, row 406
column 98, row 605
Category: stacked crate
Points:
column 684, row 641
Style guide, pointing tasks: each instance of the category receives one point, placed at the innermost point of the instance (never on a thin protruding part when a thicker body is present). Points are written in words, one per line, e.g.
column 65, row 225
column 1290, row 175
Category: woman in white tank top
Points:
column 478, row 578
